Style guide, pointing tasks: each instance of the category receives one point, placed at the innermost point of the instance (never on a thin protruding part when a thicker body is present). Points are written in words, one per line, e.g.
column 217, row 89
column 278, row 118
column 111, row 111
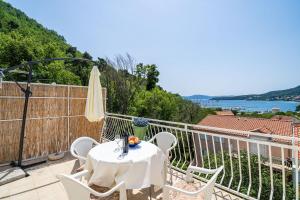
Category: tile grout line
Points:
column 33, row 189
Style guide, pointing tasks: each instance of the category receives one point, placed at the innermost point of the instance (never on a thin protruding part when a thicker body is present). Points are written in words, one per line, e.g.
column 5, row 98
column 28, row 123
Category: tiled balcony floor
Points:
column 42, row 184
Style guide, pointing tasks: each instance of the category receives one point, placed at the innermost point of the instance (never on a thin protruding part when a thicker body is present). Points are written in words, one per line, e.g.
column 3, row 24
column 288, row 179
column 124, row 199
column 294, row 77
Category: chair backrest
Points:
column 81, row 146
column 74, row 188
column 165, row 140
column 207, row 190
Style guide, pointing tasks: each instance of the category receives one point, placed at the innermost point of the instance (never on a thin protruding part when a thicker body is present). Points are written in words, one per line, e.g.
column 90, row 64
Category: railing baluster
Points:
column 259, row 171
column 271, row 172
column 184, row 153
column 297, row 168
column 207, row 152
column 215, row 155
column 157, row 129
column 240, row 166
column 231, row 166
column 249, row 168
column 151, row 133
column 189, row 147
column 178, row 147
column 283, row 174
column 174, row 150
column 195, row 149
column 223, row 161
column 201, row 151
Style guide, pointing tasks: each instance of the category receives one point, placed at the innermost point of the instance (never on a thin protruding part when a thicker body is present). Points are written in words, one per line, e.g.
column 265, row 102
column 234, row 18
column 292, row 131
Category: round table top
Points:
column 141, row 167
column 105, row 152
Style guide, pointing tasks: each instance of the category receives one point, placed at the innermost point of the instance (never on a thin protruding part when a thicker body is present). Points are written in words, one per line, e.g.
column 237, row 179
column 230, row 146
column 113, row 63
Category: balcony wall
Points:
column 55, row 118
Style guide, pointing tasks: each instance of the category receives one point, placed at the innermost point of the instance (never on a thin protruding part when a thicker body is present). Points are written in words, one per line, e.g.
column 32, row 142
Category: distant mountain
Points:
column 199, row 96
column 292, row 94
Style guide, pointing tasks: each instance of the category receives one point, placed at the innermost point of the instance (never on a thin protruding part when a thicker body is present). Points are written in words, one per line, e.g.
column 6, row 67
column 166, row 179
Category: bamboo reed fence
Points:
column 55, row 119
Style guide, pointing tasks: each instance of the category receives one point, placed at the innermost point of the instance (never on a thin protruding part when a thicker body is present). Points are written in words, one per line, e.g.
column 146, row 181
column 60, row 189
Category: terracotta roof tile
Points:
column 225, row 113
column 268, row 126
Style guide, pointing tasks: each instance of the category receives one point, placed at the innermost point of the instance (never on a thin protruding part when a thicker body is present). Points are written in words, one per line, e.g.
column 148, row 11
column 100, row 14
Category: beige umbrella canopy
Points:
column 94, row 104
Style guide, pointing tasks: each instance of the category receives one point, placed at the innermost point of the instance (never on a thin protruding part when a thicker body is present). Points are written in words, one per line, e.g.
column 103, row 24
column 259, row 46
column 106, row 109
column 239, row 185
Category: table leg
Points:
column 150, row 192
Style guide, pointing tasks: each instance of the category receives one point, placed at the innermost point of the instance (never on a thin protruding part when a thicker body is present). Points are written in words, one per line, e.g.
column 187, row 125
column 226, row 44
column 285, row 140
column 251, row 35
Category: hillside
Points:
column 198, row 96
column 131, row 87
column 23, row 39
column 292, row 94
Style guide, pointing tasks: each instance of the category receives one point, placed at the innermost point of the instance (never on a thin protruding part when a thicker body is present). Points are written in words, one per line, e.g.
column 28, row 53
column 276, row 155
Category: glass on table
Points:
column 118, row 140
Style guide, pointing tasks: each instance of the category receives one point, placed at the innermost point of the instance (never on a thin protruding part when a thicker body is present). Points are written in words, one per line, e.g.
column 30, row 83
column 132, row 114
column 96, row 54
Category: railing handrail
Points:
column 215, row 129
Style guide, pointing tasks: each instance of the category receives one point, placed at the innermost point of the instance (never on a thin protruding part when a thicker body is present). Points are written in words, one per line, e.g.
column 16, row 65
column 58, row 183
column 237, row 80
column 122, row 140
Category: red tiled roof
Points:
column 225, row 113
column 268, row 126
column 282, row 117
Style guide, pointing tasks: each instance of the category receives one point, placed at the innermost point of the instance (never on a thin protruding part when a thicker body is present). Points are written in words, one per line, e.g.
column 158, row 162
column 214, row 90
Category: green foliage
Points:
column 265, row 176
column 257, row 115
column 268, row 115
column 298, row 108
column 23, row 39
column 160, row 104
column 148, row 73
column 154, row 104
column 152, row 76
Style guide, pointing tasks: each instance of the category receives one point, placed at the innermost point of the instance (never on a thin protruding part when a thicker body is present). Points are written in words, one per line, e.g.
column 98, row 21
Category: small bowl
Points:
column 134, row 145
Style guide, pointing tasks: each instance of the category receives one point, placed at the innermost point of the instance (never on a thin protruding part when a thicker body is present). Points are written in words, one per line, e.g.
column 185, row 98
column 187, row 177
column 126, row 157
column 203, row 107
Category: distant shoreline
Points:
column 248, row 105
column 233, row 99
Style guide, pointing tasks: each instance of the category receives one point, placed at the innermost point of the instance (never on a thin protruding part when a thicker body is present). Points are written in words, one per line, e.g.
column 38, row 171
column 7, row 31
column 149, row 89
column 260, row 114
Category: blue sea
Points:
column 248, row 106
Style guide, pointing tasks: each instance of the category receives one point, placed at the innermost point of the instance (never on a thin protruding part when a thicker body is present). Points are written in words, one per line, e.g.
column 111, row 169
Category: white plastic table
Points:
column 140, row 168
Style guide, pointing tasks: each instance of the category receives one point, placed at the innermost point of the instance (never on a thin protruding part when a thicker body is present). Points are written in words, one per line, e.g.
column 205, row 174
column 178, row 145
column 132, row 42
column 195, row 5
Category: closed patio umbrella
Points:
column 94, row 104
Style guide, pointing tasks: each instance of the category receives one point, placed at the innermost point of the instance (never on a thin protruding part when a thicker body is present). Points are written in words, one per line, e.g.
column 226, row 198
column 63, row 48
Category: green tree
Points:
column 298, row 108
column 154, row 104
column 160, row 104
column 152, row 76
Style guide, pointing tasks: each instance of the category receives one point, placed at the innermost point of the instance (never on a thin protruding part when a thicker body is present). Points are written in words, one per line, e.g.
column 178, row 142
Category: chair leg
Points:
column 123, row 193
column 171, row 171
column 165, row 193
column 150, row 192
column 171, row 175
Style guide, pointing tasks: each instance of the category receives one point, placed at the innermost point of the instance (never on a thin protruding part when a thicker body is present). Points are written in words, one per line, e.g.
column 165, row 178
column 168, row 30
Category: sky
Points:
column 212, row 47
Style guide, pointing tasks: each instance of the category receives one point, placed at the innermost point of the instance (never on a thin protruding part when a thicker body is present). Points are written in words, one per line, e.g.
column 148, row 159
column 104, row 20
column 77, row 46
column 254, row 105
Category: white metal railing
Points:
column 253, row 168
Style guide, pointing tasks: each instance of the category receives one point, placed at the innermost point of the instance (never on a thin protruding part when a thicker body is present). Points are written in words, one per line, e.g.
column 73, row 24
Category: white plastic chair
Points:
column 166, row 142
column 76, row 190
column 81, row 147
column 204, row 192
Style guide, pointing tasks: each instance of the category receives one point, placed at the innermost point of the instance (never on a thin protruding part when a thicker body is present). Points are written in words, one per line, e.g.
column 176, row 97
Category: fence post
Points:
column 68, row 114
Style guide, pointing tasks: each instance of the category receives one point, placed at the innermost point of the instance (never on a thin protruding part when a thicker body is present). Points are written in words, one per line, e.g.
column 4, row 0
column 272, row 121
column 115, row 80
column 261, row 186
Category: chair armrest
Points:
column 183, row 191
column 201, row 170
column 189, row 176
column 173, row 146
column 170, row 149
column 79, row 175
column 109, row 192
column 79, row 157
